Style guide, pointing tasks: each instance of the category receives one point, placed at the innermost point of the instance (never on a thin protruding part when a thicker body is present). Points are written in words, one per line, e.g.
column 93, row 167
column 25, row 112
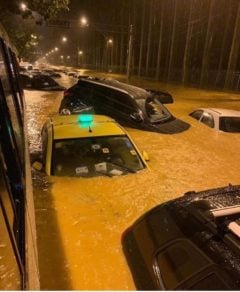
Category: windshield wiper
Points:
column 128, row 169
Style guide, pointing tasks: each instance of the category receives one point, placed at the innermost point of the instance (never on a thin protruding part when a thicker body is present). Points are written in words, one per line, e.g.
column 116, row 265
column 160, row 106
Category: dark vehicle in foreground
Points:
column 129, row 105
column 190, row 243
column 39, row 82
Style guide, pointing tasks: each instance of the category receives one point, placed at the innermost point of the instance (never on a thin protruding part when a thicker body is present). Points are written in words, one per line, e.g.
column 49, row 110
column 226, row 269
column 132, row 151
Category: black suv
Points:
column 129, row 105
column 190, row 243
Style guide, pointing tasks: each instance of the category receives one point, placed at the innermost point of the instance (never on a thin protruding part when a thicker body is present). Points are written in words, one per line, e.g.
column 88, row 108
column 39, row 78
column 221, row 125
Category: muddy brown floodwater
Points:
column 80, row 221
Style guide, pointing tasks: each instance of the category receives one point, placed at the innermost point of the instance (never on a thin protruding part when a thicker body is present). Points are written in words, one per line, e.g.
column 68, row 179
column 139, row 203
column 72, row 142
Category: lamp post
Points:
column 109, row 47
column 84, row 23
column 80, row 55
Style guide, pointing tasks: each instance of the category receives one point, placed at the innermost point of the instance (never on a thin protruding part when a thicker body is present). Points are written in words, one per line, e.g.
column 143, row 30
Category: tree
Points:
column 23, row 36
column 47, row 9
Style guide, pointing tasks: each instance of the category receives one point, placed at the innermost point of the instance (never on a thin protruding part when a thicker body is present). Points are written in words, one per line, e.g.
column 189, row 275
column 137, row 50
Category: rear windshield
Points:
column 230, row 124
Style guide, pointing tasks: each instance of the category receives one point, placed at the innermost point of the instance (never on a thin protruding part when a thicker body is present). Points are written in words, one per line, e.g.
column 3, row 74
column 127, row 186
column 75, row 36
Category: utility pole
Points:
column 130, row 48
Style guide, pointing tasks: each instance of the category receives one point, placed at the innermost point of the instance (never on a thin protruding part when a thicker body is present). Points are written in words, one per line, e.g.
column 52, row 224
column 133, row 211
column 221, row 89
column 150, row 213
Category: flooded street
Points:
column 80, row 221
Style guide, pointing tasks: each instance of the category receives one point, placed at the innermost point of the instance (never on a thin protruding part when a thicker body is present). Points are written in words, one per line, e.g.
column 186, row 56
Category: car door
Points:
column 102, row 100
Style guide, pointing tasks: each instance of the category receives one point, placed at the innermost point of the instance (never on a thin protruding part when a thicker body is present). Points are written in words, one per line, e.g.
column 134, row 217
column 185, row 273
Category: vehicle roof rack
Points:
column 234, row 227
column 225, row 211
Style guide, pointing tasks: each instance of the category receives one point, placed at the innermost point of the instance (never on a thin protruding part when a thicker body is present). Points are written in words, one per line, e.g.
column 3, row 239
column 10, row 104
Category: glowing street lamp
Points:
column 83, row 21
column 80, row 52
column 68, row 57
column 110, row 41
column 23, row 6
column 61, row 57
column 64, row 39
column 56, row 49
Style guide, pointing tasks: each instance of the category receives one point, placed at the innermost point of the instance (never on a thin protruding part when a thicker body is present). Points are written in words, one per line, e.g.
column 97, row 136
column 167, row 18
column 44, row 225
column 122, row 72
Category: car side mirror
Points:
column 136, row 117
column 145, row 156
column 37, row 165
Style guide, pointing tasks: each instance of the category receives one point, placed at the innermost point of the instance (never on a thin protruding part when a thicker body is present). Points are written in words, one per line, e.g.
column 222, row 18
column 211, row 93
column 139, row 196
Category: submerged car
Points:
column 39, row 82
column 219, row 119
column 190, row 243
column 88, row 146
column 129, row 105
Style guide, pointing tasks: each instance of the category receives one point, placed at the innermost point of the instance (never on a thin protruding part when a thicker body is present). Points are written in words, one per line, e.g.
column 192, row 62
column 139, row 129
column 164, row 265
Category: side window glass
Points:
column 10, row 274
column 15, row 80
column 102, row 95
column 196, row 115
column 207, row 119
column 124, row 103
column 12, row 105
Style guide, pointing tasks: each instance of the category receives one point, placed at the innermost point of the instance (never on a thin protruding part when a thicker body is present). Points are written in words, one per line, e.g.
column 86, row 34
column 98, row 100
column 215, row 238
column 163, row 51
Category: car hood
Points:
column 171, row 127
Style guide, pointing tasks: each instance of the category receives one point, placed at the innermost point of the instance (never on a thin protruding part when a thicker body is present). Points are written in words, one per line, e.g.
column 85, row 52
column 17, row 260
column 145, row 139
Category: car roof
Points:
column 222, row 112
column 80, row 126
column 134, row 91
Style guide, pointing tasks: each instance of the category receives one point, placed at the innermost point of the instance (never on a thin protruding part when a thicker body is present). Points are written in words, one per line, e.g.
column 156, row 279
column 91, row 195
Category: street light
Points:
column 23, row 6
column 64, row 39
column 80, row 52
column 83, row 21
column 56, row 49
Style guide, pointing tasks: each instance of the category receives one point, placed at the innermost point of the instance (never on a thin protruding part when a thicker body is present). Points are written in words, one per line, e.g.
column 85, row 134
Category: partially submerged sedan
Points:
column 225, row 120
column 88, row 146
column 190, row 243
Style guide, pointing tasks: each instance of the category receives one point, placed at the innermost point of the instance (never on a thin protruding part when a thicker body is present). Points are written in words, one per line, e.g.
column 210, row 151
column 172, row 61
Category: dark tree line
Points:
column 187, row 41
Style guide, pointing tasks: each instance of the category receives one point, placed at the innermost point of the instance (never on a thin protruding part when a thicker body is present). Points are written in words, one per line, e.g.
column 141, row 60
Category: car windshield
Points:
column 156, row 111
column 229, row 124
column 89, row 157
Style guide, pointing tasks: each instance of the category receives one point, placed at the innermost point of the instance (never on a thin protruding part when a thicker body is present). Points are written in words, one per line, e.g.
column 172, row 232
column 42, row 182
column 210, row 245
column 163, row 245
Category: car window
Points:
column 208, row 120
column 109, row 155
column 156, row 111
column 197, row 114
column 123, row 102
column 229, row 124
column 179, row 261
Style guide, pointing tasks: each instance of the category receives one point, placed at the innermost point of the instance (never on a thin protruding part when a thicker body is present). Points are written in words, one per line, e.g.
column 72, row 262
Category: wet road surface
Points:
column 80, row 221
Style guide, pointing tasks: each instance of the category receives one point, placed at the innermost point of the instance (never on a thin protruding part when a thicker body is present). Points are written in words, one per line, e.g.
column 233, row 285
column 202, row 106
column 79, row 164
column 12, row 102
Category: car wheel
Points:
column 65, row 111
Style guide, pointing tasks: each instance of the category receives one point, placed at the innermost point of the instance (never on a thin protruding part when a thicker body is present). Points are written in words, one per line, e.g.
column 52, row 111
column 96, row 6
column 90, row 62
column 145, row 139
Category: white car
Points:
column 220, row 119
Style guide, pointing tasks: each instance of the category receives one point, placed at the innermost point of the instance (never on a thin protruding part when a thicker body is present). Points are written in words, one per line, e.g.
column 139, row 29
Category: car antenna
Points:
column 90, row 130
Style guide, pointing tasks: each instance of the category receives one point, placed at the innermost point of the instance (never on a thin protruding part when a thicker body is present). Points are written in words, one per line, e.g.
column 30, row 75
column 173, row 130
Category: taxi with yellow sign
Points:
column 88, row 146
